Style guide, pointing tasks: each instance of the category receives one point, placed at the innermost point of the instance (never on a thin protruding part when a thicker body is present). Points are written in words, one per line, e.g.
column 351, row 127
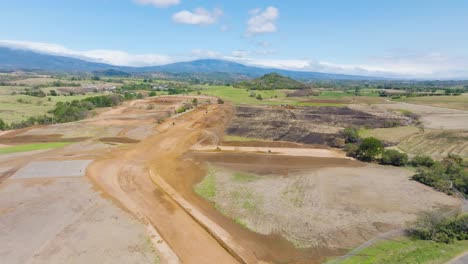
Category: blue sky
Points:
column 422, row 39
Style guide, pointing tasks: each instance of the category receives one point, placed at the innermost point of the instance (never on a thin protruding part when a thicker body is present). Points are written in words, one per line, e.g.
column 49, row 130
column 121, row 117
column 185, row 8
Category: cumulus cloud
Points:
column 199, row 16
column 113, row 57
column 158, row 3
column 262, row 21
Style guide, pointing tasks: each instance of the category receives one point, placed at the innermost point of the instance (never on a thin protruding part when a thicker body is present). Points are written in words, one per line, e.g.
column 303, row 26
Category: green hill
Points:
column 271, row 81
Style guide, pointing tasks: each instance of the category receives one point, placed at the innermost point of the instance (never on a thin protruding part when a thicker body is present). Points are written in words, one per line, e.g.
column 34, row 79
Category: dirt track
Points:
column 124, row 175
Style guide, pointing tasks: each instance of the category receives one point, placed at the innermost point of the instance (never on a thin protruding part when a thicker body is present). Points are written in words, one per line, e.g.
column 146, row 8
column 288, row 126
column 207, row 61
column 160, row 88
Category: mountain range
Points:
column 16, row 59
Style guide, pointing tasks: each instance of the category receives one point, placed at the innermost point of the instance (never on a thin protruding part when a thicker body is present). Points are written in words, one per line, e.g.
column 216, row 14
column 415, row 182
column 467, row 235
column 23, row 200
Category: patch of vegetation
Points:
column 207, row 187
column 370, row 149
column 271, row 81
column 449, row 176
column 243, row 177
column 394, row 157
column 438, row 227
column 408, row 251
column 31, row 147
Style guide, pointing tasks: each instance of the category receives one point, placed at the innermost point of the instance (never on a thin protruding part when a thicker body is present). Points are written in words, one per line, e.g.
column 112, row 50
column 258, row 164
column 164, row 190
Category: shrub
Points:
column 259, row 97
column 394, row 157
column 3, row 125
column 351, row 149
column 422, row 161
column 370, row 149
column 220, row 101
column 448, row 176
column 351, row 135
column 437, row 227
column 152, row 93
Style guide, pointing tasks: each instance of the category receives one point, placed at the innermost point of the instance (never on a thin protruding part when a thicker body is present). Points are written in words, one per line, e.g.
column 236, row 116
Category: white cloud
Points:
column 199, row 16
column 200, row 53
column 158, row 3
column 398, row 65
column 113, row 57
column 262, row 21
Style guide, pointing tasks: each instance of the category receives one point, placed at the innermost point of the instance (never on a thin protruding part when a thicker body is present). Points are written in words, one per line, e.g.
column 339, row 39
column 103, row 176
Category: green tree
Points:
column 259, row 97
column 53, row 93
column 370, row 149
column 152, row 93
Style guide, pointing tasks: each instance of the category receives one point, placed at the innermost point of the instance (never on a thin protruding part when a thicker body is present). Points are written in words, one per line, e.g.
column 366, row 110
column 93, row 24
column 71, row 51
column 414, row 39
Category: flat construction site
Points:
column 136, row 202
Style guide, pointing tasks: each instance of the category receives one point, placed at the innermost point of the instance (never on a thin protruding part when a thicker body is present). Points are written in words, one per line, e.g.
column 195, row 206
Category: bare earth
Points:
column 148, row 210
column 327, row 207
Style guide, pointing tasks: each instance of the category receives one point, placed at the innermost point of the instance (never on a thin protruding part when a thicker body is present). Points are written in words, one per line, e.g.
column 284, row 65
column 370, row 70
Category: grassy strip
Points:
column 31, row 147
column 409, row 251
column 207, row 187
column 241, row 139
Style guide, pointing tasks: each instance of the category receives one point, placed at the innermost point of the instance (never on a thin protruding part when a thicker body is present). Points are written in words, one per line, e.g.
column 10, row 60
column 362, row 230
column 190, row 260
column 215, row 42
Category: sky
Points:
column 408, row 39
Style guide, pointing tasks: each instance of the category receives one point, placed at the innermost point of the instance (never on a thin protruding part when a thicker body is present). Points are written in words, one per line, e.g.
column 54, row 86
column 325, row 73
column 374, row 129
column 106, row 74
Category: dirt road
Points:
column 124, row 175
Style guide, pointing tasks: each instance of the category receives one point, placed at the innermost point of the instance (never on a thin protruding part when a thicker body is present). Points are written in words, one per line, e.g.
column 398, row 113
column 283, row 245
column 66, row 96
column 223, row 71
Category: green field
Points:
column 454, row 102
column 31, row 147
column 15, row 108
column 406, row 251
column 279, row 97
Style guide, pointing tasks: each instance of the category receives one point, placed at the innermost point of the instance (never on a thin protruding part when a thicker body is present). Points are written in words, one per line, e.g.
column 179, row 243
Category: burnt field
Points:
column 310, row 125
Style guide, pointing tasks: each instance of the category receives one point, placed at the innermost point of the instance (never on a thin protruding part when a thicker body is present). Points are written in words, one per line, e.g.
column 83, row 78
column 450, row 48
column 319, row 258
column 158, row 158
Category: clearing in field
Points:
column 453, row 102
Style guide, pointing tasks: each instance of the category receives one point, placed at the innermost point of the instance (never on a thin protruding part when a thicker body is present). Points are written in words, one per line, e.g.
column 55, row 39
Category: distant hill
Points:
column 111, row 73
column 15, row 59
column 272, row 81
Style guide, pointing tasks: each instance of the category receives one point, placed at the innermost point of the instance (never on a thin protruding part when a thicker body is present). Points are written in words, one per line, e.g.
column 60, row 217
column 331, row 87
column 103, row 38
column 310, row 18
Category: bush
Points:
column 351, row 135
column 448, row 176
column 259, row 97
column 394, row 157
column 351, row 149
column 422, row 161
column 370, row 149
column 437, row 227
column 152, row 93
column 3, row 125
column 220, row 101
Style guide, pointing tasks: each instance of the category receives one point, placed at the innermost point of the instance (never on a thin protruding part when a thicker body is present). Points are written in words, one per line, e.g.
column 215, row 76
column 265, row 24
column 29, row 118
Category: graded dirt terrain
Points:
column 142, row 162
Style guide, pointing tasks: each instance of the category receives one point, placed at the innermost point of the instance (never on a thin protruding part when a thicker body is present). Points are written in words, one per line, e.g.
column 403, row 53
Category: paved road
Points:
column 463, row 259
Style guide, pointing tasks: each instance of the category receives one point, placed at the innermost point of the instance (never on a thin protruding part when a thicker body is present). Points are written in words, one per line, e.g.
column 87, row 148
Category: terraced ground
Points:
column 437, row 143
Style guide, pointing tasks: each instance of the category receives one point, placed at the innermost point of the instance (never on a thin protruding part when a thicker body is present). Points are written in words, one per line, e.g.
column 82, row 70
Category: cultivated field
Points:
column 437, row 143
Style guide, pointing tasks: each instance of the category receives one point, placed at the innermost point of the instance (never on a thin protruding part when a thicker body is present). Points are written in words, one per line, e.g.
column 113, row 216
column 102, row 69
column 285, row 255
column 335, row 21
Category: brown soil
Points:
column 271, row 144
column 123, row 140
column 270, row 164
column 126, row 179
